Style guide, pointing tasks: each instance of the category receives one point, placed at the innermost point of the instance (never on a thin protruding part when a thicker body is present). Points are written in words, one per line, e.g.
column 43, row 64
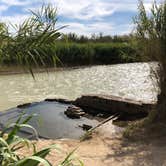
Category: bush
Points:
column 76, row 54
column 72, row 54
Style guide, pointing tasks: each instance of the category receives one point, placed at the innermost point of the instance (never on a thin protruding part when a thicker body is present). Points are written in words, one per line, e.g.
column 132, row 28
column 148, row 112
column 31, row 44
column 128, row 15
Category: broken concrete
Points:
column 113, row 104
column 64, row 101
column 74, row 112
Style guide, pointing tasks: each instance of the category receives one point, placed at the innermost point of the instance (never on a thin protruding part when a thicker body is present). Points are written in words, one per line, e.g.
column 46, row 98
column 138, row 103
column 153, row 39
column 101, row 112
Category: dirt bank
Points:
column 107, row 148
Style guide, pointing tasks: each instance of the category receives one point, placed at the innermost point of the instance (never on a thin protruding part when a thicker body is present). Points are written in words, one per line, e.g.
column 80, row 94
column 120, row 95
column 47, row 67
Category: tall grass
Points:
column 75, row 54
column 26, row 47
column 37, row 42
column 33, row 39
column 151, row 37
column 72, row 54
column 11, row 143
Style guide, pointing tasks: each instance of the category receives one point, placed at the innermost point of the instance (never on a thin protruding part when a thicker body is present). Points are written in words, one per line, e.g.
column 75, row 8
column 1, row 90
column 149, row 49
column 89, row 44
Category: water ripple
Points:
column 128, row 80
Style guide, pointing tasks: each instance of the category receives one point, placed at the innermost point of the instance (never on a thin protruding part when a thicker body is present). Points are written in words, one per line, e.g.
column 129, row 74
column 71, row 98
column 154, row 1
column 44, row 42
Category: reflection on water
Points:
column 128, row 80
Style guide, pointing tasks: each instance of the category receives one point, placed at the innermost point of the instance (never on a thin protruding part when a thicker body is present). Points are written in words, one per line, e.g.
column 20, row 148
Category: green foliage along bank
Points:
column 37, row 43
column 151, row 38
column 78, row 54
column 95, row 53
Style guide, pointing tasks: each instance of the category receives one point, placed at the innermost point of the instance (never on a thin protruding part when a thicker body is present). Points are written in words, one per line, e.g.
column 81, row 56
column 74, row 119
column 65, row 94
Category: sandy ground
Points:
column 107, row 148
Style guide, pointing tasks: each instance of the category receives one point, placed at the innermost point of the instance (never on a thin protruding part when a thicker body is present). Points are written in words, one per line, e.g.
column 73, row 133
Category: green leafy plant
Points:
column 68, row 161
column 28, row 47
column 10, row 143
column 151, row 37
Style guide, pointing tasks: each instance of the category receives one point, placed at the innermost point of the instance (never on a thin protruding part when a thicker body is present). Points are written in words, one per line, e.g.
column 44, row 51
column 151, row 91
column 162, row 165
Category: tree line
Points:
column 96, row 38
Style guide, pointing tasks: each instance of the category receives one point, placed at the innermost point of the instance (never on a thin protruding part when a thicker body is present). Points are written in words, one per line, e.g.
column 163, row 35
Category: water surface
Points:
column 49, row 120
column 127, row 80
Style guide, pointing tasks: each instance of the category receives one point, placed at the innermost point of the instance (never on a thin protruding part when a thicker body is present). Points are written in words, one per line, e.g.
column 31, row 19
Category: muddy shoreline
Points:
column 105, row 147
column 101, row 107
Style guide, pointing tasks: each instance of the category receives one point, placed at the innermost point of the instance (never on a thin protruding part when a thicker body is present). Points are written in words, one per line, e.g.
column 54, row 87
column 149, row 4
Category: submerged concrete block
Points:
column 113, row 104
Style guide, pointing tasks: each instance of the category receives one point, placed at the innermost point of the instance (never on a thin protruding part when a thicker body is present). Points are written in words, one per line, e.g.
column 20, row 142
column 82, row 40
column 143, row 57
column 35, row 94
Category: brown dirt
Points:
column 107, row 148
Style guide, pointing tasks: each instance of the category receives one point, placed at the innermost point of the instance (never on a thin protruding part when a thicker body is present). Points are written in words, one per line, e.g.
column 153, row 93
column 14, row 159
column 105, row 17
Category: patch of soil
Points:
column 109, row 148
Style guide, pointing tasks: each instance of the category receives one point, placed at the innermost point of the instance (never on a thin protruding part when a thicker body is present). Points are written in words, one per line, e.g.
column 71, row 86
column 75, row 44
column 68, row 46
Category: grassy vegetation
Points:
column 95, row 53
column 74, row 54
column 151, row 38
column 28, row 46
column 11, row 143
column 36, row 42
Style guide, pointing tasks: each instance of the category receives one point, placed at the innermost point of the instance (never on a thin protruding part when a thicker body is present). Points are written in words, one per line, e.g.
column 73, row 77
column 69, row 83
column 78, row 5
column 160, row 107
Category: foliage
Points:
column 151, row 36
column 151, row 31
column 74, row 54
column 97, row 49
column 44, row 46
column 27, row 45
column 96, row 38
column 95, row 53
column 10, row 143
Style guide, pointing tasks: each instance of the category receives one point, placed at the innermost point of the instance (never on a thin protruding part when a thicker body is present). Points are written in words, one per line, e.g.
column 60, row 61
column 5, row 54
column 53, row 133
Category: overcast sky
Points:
column 83, row 16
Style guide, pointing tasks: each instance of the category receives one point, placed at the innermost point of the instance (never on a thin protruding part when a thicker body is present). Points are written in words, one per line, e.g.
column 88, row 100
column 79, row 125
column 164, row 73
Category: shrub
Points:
column 95, row 53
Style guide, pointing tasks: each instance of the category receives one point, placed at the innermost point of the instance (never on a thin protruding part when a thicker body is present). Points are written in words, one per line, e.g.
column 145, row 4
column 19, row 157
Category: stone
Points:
column 100, row 115
column 65, row 101
column 113, row 104
column 74, row 112
column 24, row 105
column 86, row 127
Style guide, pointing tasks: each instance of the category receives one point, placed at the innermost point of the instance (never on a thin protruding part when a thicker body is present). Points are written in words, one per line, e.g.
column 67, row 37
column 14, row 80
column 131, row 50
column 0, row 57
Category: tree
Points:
column 151, row 36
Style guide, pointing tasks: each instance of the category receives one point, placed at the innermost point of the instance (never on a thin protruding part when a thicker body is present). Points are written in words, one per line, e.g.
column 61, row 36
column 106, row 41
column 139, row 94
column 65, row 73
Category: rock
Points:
column 73, row 108
column 24, row 105
column 100, row 115
column 51, row 100
column 86, row 127
column 65, row 101
column 74, row 112
column 113, row 104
